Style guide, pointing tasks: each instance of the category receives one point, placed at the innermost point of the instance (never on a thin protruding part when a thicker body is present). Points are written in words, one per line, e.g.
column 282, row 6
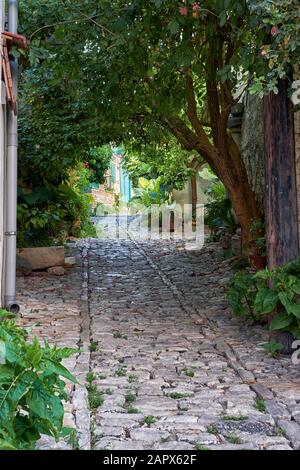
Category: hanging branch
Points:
column 75, row 20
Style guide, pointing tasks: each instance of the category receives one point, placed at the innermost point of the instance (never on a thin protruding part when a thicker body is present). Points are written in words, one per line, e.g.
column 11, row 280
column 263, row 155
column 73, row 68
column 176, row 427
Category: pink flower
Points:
column 196, row 6
column 274, row 31
column 183, row 11
column 264, row 53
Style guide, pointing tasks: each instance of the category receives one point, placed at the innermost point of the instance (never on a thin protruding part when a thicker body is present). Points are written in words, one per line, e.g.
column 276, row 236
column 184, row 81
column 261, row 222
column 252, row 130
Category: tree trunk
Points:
column 280, row 177
column 228, row 165
column 280, row 188
column 242, row 199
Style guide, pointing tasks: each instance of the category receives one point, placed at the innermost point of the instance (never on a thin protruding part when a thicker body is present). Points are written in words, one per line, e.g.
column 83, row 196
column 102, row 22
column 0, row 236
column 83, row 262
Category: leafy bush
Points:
column 267, row 291
column 48, row 215
column 56, row 134
column 150, row 192
column 241, row 295
column 98, row 161
column 164, row 160
column 31, row 388
column 218, row 210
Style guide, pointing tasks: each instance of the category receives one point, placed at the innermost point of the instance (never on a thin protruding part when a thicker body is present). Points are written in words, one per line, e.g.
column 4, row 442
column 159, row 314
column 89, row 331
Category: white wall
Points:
column 185, row 195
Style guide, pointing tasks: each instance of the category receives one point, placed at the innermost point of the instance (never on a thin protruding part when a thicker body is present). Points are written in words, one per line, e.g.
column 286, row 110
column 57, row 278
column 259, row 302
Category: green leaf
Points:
column 31, row 390
column 5, row 445
column 57, row 368
column 264, row 274
column 6, row 314
column 223, row 18
column 11, row 353
column 37, row 403
column 21, row 386
column 34, row 352
column 265, row 301
column 294, row 309
column 174, row 27
column 6, row 374
column 280, row 321
column 285, row 298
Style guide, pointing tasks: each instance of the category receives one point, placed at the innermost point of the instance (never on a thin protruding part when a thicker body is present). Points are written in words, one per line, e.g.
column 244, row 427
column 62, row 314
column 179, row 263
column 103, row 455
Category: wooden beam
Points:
column 280, row 178
column 194, row 194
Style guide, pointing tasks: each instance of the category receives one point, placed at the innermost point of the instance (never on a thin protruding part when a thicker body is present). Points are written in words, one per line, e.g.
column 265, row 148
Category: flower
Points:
column 264, row 53
column 196, row 6
column 86, row 165
column 274, row 31
column 183, row 11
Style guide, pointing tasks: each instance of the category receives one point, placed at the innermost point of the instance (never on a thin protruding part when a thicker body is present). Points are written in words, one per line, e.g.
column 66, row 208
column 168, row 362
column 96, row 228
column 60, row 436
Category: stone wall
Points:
column 252, row 144
column 297, row 140
column 101, row 196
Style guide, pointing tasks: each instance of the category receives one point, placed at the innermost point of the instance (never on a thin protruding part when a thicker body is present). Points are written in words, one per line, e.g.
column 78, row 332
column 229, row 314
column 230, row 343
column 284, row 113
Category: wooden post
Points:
column 280, row 178
column 194, row 194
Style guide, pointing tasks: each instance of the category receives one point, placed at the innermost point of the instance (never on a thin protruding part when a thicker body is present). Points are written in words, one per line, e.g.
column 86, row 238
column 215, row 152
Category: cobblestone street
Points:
column 170, row 368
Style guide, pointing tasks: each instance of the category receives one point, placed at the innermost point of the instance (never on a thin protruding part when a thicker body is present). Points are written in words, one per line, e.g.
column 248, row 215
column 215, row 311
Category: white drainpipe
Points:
column 2, row 161
column 11, row 179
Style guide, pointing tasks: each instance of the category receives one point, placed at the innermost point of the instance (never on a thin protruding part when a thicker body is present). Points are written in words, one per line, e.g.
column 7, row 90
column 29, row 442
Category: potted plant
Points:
column 257, row 246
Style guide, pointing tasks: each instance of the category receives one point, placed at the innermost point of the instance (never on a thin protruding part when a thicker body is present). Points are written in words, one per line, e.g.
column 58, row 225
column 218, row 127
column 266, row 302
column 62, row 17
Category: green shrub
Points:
column 32, row 388
column 268, row 291
column 150, row 192
column 218, row 210
column 47, row 216
column 241, row 294
column 97, row 161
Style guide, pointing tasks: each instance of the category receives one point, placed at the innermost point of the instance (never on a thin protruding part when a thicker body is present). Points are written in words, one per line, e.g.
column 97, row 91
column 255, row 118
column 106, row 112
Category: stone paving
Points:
column 169, row 367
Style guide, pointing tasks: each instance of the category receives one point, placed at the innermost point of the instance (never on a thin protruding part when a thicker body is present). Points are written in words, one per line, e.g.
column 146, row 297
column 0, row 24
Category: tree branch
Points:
column 192, row 105
column 191, row 141
column 75, row 20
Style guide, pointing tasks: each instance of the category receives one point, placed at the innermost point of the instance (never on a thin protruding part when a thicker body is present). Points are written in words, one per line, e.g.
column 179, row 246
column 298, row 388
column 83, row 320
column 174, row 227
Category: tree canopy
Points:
column 135, row 70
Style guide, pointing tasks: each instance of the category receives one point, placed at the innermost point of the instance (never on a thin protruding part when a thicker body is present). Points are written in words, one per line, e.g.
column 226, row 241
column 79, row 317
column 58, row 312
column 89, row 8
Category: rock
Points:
column 262, row 391
column 276, row 409
column 23, row 265
column 56, row 271
column 111, row 443
column 174, row 445
column 279, row 447
column 70, row 262
column 292, row 432
column 246, row 446
column 204, row 438
column 80, row 397
column 69, row 421
column 148, row 435
column 43, row 257
column 49, row 443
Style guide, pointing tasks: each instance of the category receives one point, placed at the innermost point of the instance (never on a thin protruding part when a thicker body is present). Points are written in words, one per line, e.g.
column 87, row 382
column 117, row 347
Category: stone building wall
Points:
column 101, row 196
column 252, row 144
